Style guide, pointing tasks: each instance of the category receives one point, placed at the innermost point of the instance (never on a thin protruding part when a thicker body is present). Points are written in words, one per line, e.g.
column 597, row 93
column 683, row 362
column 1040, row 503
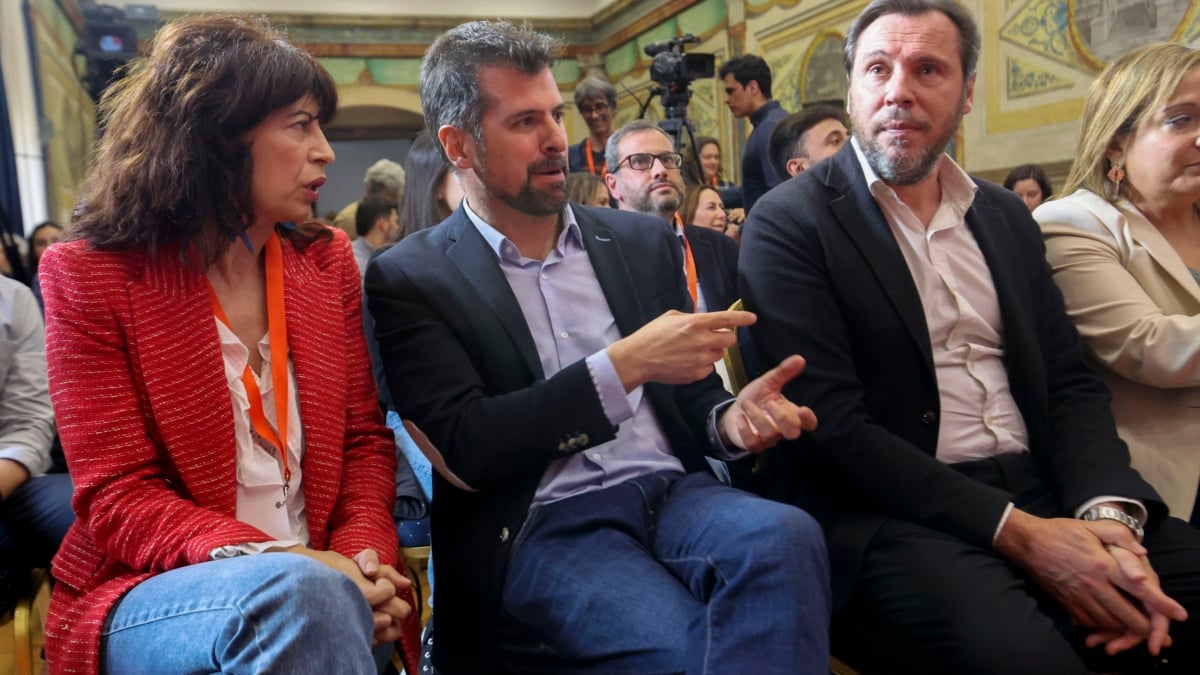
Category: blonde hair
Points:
column 1125, row 96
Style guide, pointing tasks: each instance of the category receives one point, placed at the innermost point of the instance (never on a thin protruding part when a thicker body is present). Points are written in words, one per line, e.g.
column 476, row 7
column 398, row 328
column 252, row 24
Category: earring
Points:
column 1116, row 174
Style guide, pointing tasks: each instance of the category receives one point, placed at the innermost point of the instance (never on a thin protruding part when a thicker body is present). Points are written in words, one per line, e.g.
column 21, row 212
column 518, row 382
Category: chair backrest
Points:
column 734, row 364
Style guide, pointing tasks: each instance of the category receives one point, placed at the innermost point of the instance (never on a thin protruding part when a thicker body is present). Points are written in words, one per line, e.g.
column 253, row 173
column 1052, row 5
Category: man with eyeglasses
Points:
column 596, row 101
column 644, row 176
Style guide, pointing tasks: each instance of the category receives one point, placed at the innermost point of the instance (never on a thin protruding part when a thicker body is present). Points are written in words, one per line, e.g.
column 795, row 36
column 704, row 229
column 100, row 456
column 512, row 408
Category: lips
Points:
column 311, row 189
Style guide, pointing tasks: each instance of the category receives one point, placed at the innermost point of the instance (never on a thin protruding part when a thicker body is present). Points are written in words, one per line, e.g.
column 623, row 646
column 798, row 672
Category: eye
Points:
column 1179, row 121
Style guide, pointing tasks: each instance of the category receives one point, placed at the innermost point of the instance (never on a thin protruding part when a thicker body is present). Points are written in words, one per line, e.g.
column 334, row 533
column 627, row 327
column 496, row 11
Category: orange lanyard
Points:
column 592, row 162
column 277, row 331
column 689, row 263
column 712, row 180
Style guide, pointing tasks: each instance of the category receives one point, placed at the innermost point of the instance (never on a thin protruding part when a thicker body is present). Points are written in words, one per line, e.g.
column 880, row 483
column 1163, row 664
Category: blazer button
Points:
column 929, row 417
column 564, row 447
column 503, row 534
column 583, row 440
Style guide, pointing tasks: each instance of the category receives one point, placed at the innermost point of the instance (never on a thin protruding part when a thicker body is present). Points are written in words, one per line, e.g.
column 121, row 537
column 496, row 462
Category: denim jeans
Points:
column 33, row 522
column 667, row 573
column 267, row 613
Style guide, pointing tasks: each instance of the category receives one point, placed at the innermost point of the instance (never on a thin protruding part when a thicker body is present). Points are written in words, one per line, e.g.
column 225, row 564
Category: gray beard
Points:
column 655, row 204
column 910, row 168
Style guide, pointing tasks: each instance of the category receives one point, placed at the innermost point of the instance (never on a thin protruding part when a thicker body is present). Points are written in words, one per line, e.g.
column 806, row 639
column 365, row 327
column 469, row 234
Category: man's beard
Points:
column 911, row 167
column 529, row 200
column 653, row 202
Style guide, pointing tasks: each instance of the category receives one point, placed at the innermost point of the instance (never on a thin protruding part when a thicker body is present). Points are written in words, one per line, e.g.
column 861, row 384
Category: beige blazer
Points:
column 1137, row 308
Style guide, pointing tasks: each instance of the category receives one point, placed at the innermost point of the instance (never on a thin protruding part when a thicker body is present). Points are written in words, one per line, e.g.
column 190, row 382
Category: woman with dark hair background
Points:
column 233, row 475
column 1030, row 183
column 431, row 191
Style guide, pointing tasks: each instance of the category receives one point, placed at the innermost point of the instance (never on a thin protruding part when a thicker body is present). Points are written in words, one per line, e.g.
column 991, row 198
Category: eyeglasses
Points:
column 586, row 110
column 642, row 161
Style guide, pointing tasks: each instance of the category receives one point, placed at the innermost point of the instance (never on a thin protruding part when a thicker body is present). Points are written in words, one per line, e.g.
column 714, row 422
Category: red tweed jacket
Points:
column 143, row 410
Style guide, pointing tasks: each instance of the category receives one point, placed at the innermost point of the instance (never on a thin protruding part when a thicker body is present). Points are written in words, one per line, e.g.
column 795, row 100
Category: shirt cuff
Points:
column 720, row 450
column 1003, row 519
column 608, row 385
column 36, row 463
column 1134, row 507
column 252, row 548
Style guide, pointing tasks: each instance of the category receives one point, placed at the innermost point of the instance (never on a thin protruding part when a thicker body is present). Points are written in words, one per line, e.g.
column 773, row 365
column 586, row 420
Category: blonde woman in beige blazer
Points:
column 1124, row 246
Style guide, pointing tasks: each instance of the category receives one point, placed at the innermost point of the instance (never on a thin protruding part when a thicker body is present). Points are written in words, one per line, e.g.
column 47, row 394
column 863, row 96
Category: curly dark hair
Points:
column 170, row 168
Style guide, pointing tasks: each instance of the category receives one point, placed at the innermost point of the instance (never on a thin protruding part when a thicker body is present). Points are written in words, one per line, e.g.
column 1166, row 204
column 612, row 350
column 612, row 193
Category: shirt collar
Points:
column 506, row 251
column 765, row 109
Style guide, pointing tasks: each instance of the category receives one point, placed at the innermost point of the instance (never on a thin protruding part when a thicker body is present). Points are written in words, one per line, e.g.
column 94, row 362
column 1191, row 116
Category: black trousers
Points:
column 927, row 602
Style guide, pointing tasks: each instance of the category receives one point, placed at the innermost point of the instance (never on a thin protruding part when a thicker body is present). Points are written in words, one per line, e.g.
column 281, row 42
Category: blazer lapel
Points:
column 860, row 216
column 708, row 271
column 612, row 272
column 174, row 332
column 1157, row 247
column 316, row 332
column 477, row 262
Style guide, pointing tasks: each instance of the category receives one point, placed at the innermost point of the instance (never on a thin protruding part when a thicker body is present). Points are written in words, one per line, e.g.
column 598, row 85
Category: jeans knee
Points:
column 314, row 592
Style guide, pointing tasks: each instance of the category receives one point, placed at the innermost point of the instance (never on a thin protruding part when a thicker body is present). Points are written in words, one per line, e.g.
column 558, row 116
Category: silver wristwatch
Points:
column 1101, row 512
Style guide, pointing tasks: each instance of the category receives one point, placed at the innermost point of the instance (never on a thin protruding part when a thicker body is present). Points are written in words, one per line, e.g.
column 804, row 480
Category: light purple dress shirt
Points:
column 569, row 319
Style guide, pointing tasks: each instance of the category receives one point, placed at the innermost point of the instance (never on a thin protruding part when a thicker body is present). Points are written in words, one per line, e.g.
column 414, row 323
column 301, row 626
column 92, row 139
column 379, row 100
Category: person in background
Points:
column 40, row 239
column 805, row 138
column 208, row 371
column 1030, row 183
column 702, row 207
column 709, row 161
column 433, row 191
column 384, row 179
column 1124, row 244
column 377, row 224
column 587, row 189
column 596, row 101
column 35, row 506
column 747, row 82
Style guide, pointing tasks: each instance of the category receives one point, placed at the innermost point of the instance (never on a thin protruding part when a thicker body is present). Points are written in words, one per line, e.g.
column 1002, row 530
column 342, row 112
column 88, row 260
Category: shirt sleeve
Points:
column 26, row 416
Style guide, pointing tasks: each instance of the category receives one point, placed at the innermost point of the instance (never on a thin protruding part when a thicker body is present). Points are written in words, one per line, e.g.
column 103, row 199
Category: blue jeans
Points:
column 33, row 522
column 267, row 613
column 667, row 573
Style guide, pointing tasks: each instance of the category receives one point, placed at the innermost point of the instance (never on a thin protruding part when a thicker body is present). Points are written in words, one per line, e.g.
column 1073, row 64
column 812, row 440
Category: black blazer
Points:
column 828, row 281
column 716, row 258
column 462, row 365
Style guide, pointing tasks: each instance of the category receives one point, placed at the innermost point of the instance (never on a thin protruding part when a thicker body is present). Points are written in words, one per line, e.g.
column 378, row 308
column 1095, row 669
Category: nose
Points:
column 898, row 89
column 322, row 151
column 657, row 168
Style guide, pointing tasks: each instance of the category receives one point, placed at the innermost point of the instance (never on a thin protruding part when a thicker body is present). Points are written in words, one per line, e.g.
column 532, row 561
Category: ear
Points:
column 752, row 88
column 969, row 103
column 1115, row 152
column 611, row 181
column 796, row 166
column 459, row 146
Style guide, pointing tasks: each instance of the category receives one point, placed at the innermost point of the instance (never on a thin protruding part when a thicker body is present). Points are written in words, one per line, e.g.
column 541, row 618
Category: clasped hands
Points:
column 378, row 584
column 1100, row 573
column 679, row 348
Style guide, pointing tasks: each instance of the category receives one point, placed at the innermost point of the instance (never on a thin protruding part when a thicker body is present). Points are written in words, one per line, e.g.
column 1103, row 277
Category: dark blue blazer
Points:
column 462, row 364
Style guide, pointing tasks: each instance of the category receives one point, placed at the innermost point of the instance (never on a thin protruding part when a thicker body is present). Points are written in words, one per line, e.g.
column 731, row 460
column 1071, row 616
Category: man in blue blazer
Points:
column 980, row 510
column 540, row 346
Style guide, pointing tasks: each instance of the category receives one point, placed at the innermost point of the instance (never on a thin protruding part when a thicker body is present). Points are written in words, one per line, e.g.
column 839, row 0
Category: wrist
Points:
column 1113, row 511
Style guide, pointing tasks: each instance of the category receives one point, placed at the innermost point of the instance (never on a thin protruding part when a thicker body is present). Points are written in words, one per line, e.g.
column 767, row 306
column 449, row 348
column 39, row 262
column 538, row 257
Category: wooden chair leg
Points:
column 29, row 617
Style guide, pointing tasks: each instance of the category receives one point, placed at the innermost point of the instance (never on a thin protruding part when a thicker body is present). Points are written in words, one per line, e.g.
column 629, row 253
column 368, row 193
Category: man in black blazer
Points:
column 657, row 190
column 539, row 346
column 980, row 510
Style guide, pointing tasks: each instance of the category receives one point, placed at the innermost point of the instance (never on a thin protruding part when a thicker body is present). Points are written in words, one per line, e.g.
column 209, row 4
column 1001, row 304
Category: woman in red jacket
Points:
column 233, row 475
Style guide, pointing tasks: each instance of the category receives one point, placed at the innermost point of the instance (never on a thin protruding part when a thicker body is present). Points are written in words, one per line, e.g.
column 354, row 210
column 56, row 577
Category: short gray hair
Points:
column 968, row 32
column 384, row 178
column 449, row 85
column 612, row 156
column 596, row 87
